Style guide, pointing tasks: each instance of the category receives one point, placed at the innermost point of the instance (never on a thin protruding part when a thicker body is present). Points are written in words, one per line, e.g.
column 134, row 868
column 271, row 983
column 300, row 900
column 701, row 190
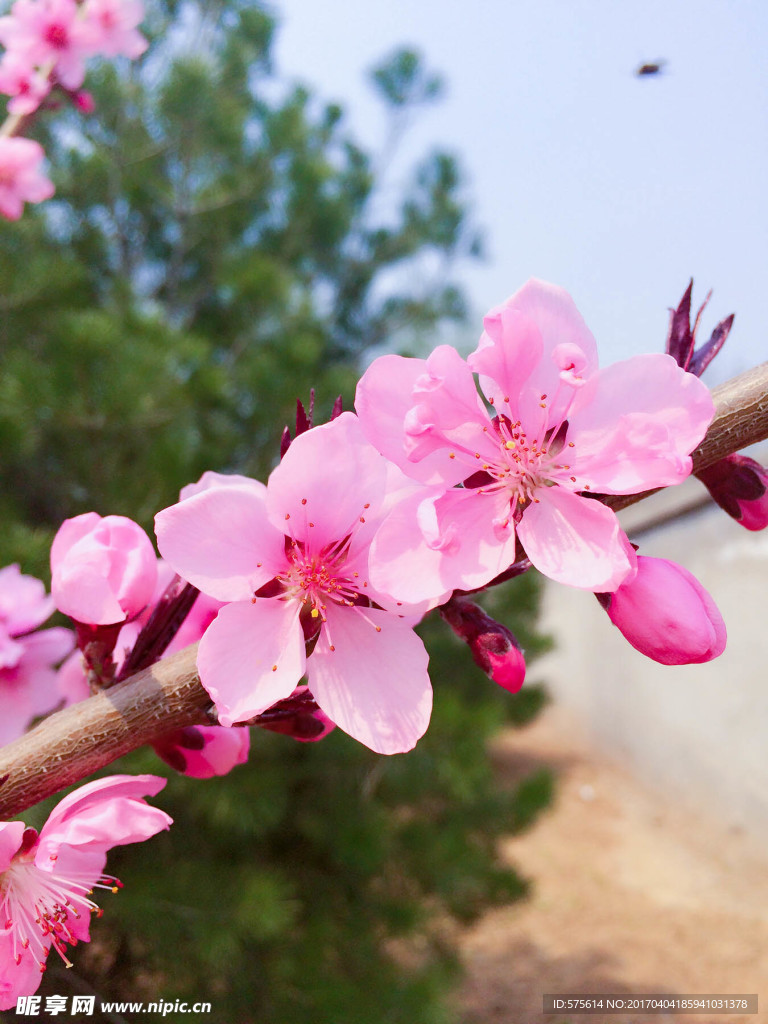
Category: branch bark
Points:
column 75, row 742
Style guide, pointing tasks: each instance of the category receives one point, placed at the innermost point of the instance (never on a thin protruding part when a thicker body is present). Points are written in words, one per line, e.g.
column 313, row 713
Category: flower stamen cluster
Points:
column 41, row 908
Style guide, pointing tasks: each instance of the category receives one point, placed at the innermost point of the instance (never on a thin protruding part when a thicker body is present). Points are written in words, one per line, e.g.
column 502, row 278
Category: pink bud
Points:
column 739, row 485
column 666, row 614
column 493, row 646
column 297, row 716
column 85, row 102
column 103, row 570
column 202, row 751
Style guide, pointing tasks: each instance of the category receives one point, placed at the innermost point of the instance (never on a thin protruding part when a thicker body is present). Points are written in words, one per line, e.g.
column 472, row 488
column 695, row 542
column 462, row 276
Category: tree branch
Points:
column 75, row 742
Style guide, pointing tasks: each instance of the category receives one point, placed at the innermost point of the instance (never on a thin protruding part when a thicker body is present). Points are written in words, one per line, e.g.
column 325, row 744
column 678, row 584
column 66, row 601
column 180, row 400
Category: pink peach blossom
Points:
column 112, row 27
column 666, row 614
column 49, row 33
column 21, row 178
column 46, row 880
column 560, row 428
column 103, row 569
column 23, row 82
column 293, row 562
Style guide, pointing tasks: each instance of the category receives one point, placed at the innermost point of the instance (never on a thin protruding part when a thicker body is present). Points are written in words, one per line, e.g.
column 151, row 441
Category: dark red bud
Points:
column 297, row 716
column 494, row 647
column 739, row 485
column 84, row 102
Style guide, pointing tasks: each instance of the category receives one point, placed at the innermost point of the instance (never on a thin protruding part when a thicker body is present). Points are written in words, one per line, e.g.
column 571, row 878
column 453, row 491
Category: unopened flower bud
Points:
column 84, row 102
column 494, row 647
column 739, row 485
column 103, row 570
column 666, row 614
column 297, row 716
column 203, row 751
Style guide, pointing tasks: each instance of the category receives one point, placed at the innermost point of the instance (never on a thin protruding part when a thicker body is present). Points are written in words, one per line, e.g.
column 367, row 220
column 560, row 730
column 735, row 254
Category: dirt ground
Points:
column 631, row 894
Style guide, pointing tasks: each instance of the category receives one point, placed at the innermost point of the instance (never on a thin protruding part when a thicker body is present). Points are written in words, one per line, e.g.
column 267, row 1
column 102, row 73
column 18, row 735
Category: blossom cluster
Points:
column 434, row 489
column 47, row 43
column 452, row 476
column 47, row 879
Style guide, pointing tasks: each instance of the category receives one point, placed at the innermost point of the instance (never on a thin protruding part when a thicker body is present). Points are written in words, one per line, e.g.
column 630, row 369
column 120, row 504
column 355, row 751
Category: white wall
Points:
column 699, row 731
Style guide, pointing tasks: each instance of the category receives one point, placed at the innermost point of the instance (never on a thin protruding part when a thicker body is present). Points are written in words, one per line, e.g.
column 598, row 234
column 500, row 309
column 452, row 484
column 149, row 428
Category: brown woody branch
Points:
column 75, row 742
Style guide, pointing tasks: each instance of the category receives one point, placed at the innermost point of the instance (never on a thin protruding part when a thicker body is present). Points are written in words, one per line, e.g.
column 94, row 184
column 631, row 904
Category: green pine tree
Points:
column 216, row 247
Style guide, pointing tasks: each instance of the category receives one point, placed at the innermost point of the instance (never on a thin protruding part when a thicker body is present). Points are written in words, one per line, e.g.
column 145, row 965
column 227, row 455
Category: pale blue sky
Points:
column 615, row 187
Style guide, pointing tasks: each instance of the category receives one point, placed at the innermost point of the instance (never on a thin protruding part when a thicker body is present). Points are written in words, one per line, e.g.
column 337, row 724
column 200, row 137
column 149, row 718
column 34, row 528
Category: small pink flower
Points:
column 560, row 429
column 46, row 880
column 112, row 27
column 103, row 570
column 739, row 485
column 23, row 82
column 293, row 562
column 49, row 32
column 666, row 614
column 21, row 179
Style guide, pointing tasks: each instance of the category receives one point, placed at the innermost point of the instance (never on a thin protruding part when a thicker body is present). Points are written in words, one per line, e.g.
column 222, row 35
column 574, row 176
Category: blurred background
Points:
column 269, row 198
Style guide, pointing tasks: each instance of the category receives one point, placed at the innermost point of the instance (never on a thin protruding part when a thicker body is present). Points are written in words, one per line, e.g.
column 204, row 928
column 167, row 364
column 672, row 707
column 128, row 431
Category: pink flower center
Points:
column 315, row 578
column 42, row 907
column 525, row 464
column 57, row 36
